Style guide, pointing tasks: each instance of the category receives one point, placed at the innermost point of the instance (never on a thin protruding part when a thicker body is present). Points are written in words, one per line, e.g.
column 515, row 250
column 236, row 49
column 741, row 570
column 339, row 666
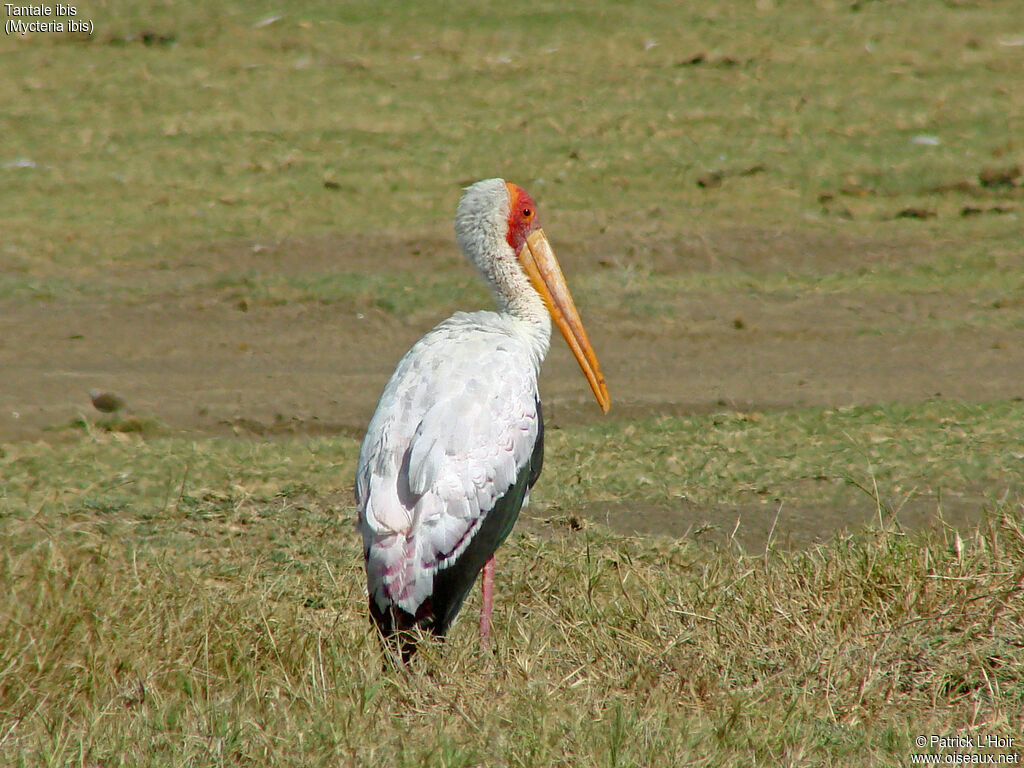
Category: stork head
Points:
column 497, row 228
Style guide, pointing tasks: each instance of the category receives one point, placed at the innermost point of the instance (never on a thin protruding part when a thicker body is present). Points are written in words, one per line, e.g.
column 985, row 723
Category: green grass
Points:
column 806, row 456
column 148, row 150
column 404, row 294
column 720, row 459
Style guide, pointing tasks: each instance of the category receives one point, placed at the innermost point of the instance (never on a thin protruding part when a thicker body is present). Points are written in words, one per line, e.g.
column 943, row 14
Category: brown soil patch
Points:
column 192, row 359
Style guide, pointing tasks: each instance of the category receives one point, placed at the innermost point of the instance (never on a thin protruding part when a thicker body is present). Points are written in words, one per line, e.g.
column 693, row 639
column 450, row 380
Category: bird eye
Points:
column 527, row 213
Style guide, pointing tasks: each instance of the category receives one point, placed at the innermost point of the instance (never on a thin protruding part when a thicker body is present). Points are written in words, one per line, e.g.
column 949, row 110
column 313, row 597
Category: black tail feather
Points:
column 399, row 630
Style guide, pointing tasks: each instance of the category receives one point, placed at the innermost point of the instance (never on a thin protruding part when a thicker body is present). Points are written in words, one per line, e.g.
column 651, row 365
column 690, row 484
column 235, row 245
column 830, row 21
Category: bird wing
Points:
column 454, row 431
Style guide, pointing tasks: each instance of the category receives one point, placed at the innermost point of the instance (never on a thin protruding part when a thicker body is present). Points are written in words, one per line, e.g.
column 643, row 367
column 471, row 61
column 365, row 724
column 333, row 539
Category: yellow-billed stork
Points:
column 457, row 440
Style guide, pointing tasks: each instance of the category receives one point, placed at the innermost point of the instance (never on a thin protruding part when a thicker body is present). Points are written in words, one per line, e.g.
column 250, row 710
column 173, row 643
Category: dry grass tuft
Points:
column 253, row 648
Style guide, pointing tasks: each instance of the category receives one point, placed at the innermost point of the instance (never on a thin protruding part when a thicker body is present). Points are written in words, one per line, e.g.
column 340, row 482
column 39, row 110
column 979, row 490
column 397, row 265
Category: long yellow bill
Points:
column 541, row 267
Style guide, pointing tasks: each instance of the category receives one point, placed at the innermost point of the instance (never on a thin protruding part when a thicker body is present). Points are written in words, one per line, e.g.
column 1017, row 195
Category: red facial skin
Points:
column 522, row 216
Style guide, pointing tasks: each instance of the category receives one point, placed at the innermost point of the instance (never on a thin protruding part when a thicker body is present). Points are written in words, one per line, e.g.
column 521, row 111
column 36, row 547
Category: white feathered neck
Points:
column 481, row 231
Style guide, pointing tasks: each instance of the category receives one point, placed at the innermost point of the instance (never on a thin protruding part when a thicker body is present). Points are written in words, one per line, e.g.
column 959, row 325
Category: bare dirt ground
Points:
column 198, row 362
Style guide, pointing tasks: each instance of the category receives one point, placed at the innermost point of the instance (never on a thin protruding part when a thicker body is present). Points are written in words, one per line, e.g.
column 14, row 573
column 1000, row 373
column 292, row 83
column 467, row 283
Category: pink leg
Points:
column 488, row 589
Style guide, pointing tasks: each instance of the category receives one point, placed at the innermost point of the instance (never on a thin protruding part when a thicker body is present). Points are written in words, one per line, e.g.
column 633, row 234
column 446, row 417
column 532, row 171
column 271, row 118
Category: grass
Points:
column 810, row 457
column 227, row 131
column 179, row 601
column 182, row 602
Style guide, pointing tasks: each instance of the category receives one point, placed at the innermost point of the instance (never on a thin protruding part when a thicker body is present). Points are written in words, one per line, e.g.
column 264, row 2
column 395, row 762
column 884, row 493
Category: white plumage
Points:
column 455, row 426
column 456, row 441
